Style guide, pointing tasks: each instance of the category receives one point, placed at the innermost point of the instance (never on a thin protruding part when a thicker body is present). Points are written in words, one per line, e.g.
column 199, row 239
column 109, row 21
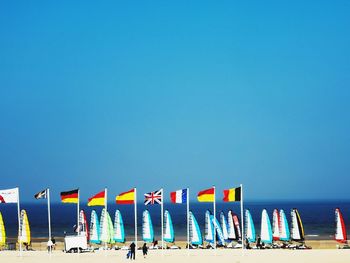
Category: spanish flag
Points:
column 206, row 195
column 98, row 199
column 232, row 195
column 70, row 196
column 126, row 198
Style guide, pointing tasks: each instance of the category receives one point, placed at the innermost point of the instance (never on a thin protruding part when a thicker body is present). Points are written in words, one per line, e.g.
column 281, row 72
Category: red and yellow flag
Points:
column 70, row 196
column 126, row 198
column 206, row 195
column 97, row 199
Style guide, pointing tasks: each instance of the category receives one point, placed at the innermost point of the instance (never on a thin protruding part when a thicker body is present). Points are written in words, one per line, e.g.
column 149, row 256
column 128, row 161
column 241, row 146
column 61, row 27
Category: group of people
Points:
column 132, row 251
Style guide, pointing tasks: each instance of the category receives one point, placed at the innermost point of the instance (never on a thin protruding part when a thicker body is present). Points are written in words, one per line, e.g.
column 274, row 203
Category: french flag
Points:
column 179, row 196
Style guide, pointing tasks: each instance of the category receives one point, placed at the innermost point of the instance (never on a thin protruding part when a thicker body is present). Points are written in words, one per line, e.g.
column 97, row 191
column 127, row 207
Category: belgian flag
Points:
column 232, row 195
column 70, row 196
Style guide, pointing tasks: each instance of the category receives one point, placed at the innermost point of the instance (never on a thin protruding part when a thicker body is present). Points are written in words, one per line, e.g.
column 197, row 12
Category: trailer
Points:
column 74, row 244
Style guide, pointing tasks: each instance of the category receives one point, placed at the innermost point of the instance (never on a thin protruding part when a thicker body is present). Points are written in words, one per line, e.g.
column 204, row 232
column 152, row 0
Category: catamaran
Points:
column 276, row 225
column 265, row 230
column 297, row 232
column 209, row 229
column 218, row 229
column 169, row 235
column 106, row 228
column 340, row 229
column 224, row 226
column 118, row 233
column 94, row 228
column 83, row 225
column 2, row 232
column 195, row 232
column 284, row 228
column 249, row 227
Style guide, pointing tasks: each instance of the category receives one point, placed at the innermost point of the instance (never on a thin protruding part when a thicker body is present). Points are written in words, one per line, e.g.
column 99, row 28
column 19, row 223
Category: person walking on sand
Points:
column 144, row 250
column 132, row 250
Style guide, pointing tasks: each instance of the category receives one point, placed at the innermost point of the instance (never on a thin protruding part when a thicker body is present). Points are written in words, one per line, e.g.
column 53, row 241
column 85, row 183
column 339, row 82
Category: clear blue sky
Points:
column 174, row 94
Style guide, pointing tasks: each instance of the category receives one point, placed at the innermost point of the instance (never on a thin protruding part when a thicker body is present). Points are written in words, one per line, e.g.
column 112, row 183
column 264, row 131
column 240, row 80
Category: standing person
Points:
column 132, row 250
column 144, row 250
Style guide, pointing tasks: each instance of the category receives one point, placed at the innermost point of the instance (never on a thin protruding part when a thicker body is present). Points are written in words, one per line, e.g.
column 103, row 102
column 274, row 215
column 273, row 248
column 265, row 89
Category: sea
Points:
column 318, row 217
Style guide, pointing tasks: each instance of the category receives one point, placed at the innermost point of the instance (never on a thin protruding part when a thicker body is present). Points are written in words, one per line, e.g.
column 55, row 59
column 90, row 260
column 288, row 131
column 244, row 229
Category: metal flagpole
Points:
column 49, row 216
column 106, row 213
column 78, row 208
column 135, row 214
column 214, row 203
column 242, row 217
column 161, row 218
column 19, row 223
column 188, row 219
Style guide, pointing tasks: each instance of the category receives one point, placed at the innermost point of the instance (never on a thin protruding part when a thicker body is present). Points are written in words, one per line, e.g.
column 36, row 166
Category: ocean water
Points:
column 317, row 216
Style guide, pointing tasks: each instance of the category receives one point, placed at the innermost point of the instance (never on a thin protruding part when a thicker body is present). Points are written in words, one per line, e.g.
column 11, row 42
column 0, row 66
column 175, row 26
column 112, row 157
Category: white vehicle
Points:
column 75, row 243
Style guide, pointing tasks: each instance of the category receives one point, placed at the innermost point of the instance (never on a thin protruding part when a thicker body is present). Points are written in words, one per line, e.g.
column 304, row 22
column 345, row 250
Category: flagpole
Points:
column 135, row 214
column 106, row 215
column 214, row 204
column 188, row 219
column 19, row 223
column 161, row 218
column 78, row 207
column 242, row 217
column 49, row 216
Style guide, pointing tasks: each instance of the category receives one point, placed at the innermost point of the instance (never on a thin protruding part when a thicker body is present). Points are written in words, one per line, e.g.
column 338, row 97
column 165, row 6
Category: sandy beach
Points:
column 203, row 256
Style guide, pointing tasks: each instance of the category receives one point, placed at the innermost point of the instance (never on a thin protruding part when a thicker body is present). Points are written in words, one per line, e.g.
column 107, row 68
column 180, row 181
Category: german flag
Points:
column 70, row 196
column 98, row 199
column 232, row 195
column 207, row 195
column 126, row 198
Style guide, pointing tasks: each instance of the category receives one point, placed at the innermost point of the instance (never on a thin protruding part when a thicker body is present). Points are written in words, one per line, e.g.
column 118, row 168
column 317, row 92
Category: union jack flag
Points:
column 154, row 197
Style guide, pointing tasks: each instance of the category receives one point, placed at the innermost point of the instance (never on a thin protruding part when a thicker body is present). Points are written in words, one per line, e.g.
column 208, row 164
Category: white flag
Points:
column 9, row 195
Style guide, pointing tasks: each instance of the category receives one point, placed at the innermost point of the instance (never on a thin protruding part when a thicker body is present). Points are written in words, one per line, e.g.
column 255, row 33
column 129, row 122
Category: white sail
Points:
column 217, row 227
column 265, row 230
column 195, row 232
column 297, row 232
column 169, row 229
column 24, row 229
column 224, row 225
column 94, row 228
column 340, row 229
column 106, row 227
column 83, row 227
column 209, row 227
column 119, row 235
column 147, row 227
column 284, row 228
column 249, row 227
column 275, row 225
column 231, row 227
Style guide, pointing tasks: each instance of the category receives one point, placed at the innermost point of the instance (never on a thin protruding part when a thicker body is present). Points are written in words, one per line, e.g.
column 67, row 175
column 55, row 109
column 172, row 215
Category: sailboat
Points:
column 118, row 233
column 234, row 227
column 209, row 228
column 224, row 226
column 169, row 229
column 297, row 226
column 284, row 228
column 275, row 225
column 24, row 229
column 94, row 228
column 83, row 225
column 106, row 228
column 218, row 229
column 265, row 230
column 249, row 227
column 2, row 232
column 340, row 229
column 147, row 227
column 195, row 232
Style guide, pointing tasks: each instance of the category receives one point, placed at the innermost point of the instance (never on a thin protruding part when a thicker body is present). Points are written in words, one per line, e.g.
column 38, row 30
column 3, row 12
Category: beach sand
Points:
column 172, row 256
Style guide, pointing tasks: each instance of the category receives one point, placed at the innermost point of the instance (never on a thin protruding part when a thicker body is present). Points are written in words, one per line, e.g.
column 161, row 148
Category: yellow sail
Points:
column 2, row 232
column 24, row 230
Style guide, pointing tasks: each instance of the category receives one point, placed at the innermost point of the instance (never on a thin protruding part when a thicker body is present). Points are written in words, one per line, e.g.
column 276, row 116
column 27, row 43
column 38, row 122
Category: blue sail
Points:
column 169, row 229
column 265, row 229
column 284, row 228
column 217, row 227
column 94, row 228
column 249, row 226
column 209, row 227
column 147, row 227
column 195, row 232
column 118, row 235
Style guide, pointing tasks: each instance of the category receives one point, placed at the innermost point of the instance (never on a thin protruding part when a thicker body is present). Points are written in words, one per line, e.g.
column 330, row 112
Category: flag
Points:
column 179, row 196
column 70, row 196
column 206, row 195
column 41, row 195
column 232, row 195
column 154, row 197
column 97, row 199
column 9, row 195
column 126, row 198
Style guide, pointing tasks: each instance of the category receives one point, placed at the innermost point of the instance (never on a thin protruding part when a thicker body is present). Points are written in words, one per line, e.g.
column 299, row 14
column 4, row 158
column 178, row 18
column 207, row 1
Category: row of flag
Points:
column 156, row 197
